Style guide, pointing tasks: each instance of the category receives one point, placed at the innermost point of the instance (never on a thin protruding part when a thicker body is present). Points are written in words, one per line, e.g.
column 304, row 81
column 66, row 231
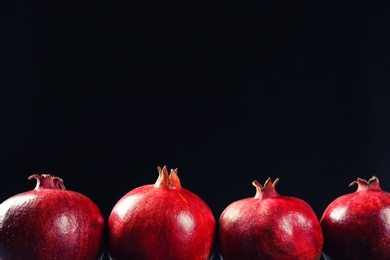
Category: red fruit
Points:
column 161, row 221
column 50, row 222
column 357, row 225
column 269, row 226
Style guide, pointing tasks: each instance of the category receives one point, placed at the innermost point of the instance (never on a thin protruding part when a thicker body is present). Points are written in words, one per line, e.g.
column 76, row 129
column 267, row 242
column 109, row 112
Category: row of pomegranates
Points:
column 165, row 221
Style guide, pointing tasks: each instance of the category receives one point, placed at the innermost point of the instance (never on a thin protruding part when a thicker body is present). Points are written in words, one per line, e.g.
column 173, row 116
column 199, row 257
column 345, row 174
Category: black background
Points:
column 100, row 93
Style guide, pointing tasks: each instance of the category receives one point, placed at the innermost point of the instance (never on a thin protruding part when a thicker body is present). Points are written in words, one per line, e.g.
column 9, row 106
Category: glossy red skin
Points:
column 50, row 224
column 277, row 228
column 357, row 226
column 161, row 223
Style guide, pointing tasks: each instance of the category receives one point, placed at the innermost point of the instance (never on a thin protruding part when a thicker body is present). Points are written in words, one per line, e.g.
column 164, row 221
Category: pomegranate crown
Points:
column 266, row 191
column 166, row 180
column 372, row 183
column 47, row 181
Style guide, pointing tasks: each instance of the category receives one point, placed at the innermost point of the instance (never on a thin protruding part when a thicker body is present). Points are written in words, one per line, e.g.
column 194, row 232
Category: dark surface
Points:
column 102, row 93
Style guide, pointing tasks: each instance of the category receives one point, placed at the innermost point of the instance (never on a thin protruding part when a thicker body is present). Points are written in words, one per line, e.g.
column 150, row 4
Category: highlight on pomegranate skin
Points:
column 161, row 221
column 357, row 225
column 50, row 222
column 269, row 226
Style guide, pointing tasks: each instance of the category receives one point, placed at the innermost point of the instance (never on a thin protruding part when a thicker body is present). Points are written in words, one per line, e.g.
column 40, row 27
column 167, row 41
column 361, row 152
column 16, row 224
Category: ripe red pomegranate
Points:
column 357, row 225
column 50, row 222
column 161, row 221
column 269, row 226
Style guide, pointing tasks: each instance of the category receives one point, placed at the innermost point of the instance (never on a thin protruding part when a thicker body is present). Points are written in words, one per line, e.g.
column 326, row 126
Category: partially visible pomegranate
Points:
column 357, row 225
column 50, row 222
column 161, row 221
column 269, row 226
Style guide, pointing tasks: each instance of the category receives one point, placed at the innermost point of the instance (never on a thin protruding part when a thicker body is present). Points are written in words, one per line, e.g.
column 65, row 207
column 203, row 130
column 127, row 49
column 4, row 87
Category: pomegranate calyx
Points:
column 166, row 180
column 372, row 184
column 266, row 191
column 174, row 180
column 47, row 181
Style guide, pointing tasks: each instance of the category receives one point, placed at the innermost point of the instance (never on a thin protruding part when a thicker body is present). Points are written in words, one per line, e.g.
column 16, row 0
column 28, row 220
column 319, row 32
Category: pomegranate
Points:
column 269, row 226
column 161, row 221
column 50, row 222
column 357, row 225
